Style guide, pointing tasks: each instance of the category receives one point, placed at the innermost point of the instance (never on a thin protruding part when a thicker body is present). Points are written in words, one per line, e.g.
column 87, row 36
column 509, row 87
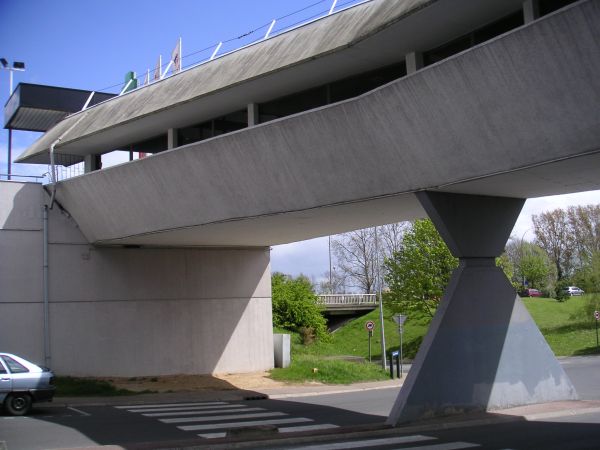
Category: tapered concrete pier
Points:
column 483, row 351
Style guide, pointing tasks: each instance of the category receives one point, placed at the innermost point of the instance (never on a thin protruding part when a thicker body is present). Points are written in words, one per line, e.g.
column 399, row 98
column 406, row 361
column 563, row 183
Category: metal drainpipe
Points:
column 46, row 291
column 53, row 169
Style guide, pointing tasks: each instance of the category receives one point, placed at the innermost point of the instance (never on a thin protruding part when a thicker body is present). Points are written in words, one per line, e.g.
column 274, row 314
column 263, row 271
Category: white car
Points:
column 573, row 290
column 22, row 383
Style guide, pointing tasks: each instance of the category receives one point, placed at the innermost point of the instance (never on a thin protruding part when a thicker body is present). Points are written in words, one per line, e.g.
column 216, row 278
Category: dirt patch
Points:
column 187, row 383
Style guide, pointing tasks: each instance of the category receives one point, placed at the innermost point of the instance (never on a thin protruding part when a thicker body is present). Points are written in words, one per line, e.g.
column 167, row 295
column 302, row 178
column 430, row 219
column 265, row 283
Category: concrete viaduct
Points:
column 387, row 111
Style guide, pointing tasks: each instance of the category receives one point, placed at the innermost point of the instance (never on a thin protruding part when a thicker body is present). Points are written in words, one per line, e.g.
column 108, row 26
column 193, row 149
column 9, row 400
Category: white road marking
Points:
column 249, row 423
column 210, row 411
column 217, row 418
column 171, row 404
column 213, row 435
column 446, row 446
column 83, row 413
column 183, row 408
column 322, row 426
column 369, row 443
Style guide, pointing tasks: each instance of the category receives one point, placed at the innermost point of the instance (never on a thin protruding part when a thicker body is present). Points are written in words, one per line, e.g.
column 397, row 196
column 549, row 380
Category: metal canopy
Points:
column 35, row 107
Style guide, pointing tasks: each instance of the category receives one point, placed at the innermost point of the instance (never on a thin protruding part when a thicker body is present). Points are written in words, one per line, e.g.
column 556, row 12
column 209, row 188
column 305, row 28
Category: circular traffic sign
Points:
column 370, row 325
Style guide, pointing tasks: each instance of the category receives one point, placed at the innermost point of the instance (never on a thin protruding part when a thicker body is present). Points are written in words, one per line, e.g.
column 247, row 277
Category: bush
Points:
column 295, row 307
column 591, row 304
column 560, row 294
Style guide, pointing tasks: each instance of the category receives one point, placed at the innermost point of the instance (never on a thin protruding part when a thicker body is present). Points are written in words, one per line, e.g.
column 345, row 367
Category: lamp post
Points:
column 19, row 67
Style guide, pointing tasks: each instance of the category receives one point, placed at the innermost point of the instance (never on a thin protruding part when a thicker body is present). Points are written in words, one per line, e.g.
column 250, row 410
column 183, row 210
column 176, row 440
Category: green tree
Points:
column 535, row 266
column 295, row 305
column 588, row 277
column 418, row 272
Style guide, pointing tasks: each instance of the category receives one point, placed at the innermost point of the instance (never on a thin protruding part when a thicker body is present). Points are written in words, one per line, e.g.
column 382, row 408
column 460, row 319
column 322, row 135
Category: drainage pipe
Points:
column 45, row 289
column 52, row 165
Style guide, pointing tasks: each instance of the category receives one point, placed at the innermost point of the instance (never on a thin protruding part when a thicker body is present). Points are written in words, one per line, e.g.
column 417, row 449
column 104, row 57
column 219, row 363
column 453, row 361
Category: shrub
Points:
column 295, row 306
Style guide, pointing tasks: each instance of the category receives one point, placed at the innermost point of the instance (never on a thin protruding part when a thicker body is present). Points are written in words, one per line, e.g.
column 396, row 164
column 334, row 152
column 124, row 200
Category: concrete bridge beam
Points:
column 483, row 351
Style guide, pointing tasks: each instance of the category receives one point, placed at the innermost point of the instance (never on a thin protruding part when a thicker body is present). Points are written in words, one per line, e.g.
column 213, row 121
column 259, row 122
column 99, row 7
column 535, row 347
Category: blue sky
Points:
column 91, row 44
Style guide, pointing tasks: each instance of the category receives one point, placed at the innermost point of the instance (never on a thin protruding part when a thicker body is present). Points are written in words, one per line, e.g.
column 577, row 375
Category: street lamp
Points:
column 19, row 67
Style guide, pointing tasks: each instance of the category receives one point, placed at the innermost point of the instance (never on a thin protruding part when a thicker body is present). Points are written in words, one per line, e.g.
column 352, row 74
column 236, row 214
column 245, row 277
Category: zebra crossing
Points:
column 212, row 420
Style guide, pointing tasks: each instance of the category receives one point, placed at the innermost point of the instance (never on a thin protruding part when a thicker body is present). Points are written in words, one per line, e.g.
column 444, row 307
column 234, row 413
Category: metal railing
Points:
column 18, row 177
column 348, row 300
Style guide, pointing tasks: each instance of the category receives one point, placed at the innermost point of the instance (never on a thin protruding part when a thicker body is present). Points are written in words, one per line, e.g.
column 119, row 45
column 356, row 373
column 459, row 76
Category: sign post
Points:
column 370, row 326
column 597, row 317
column 400, row 319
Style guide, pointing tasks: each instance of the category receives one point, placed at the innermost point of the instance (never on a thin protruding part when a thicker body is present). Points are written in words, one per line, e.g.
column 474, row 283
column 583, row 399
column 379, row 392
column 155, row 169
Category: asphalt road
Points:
column 62, row 427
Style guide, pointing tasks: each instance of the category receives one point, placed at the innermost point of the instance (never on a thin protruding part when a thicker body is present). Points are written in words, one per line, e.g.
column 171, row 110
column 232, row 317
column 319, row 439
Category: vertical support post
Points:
column 253, row 117
column 216, row 51
column 414, row 62
column 91, row 163
column 270, row 29
column 391, row 365
column 9, row 151
column 172, row 138
column 398, row 366
column 400, row 355
column 371, row 335
column 381, row 323
column 531, row 10
column 89, row 99
column 488, row 347
column 332, row 7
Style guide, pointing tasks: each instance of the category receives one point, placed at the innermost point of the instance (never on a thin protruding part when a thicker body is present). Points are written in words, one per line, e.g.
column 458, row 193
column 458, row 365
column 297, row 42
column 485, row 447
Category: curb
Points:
column 328, row 392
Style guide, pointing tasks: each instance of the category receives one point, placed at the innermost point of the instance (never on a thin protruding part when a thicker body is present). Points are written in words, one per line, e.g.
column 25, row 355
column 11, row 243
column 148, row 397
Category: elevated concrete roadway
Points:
column 517, row 116
column 353, row 41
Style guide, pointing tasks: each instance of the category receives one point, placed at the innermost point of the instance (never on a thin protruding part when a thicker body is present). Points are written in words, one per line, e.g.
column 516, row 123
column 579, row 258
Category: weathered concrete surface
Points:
column 482, row 351
column 356, row 40
column 128, row 311
column 318, row 39
column 523, row 105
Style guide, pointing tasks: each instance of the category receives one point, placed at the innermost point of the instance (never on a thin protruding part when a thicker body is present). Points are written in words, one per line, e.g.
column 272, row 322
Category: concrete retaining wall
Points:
column 118, row 311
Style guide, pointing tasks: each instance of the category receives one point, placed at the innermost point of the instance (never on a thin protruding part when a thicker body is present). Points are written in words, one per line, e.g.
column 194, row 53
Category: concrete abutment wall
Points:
column 117, row 311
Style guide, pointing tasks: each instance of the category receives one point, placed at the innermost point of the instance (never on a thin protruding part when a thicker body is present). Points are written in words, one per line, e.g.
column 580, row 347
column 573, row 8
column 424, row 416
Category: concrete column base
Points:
column 483, row 351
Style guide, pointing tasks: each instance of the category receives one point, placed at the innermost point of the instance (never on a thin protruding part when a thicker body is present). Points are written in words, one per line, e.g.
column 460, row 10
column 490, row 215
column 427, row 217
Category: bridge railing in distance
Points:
column 348, row 299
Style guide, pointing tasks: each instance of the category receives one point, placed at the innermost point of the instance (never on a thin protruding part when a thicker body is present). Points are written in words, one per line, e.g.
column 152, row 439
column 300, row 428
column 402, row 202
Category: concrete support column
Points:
column 172, row 138
column 253, row 118
column 531, row 10
column 414, row 62
column 91, row 163
column 482, row 351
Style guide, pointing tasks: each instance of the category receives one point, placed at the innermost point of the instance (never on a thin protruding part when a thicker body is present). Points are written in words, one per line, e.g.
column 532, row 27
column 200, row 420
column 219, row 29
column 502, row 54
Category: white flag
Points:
column 176, row 57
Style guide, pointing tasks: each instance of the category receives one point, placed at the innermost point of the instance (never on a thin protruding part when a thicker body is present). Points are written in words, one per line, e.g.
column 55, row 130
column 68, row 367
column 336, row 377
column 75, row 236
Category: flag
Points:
column 157, row 71
column 176, row 57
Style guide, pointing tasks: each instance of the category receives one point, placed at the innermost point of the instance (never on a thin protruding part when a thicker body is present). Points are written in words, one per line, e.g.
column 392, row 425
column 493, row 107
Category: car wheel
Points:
column 18, row 404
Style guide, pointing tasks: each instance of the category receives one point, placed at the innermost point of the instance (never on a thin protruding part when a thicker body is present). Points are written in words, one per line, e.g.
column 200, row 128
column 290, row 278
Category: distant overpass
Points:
column 340, row 308
column 348, row 303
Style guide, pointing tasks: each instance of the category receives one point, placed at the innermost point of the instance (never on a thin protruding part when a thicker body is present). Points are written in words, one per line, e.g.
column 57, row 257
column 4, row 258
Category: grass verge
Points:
column 307, row 368
column 567, row 326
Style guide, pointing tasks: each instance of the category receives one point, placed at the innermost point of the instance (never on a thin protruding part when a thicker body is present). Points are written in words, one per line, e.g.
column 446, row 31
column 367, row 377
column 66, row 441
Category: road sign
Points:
column 370, row 325
column 400, row 319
